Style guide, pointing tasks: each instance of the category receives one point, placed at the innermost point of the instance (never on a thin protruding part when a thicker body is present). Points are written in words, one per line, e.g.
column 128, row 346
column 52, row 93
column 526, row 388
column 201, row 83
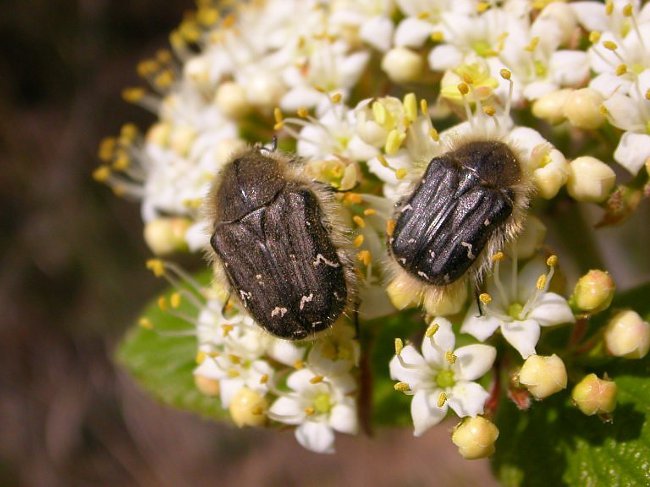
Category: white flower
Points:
column 442, row 377
column 518, row 304
column 318, row 406
column 631, row 112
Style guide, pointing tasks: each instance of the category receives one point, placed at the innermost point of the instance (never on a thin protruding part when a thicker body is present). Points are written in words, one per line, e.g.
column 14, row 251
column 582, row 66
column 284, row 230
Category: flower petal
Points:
column 416, row 370
column 473, row 361
column 425, row 411
column 467, row 399
column 299, row 381
column 412, row 32
column 343, row 418
column 632, row 151
column 227, row 390
column 551, row 309
column 480, row 327
column 288, row 410
column 377, row 32
column 522, row 335
column 316, row 436
column 443, row 341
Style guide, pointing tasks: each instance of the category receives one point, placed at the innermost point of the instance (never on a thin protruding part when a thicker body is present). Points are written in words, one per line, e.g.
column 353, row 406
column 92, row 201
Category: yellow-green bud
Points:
column 207, row 386
column 475, row 437
column 402, row 65
column 590, row 180
column 627, row 335
column 401, row 295
column 449, row 302
column 594, row 291
column 595, row 396
column 550, row 107
column 543, row 375
column 197, row 70
column 248, row 408
column 583, row 109
column 231, row 99
column 165, row 236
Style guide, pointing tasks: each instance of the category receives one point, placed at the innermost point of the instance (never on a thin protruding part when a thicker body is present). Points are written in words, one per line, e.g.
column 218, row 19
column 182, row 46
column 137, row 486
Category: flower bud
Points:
column 401, row 294
column 563, row 15
column 181, row 139
column 448, row 303
column 543, row 375
column 531, row 239
column 402, row 65
column 248, row 408
column 475, row 437
column 206, row 385
column 165, row 236
column 231, row 99
column 583, row 109
column 158, row 133
column 197, row 70
column 627, row 335
column 550, row 107
column 264, row 90
column 595, row 396
column 590, row 179
column 594, row 291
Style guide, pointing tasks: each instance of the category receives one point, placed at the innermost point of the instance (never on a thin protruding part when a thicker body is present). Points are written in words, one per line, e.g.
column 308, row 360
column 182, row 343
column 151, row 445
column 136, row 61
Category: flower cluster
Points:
column 367, row 93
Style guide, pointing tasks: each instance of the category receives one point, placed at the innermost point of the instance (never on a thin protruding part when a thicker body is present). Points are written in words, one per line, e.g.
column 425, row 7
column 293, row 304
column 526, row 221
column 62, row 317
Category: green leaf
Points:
column 390, row 408
column 555, row 444
column 162, row 363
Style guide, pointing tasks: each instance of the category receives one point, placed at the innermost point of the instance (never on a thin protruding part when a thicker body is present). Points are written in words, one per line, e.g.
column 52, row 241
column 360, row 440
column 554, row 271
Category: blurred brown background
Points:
column 72, row 278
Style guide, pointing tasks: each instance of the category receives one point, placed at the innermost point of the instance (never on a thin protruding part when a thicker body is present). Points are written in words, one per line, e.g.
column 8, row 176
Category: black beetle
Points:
column 277, row 239
column 469, row 203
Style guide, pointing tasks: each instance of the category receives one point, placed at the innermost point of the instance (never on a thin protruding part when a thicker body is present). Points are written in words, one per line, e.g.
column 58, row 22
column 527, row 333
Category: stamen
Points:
column 433, row 328
column 317, row 379
column 369, row 212
column 485, row 298
column 402, row 387
column 145, row 323
column 390, row 227
column 299, row 364
column 360, row 222
column 399, row 346
column 450, row 357
column 365, row 257
column 442, row 399
column 358, row 240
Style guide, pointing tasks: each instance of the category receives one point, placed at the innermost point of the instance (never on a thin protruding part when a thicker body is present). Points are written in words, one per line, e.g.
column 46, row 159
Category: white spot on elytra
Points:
column 306, row 299
column 258, row 276
column 245, row 295
column 432, row 254
column 402, row 261
column 469, row 246
column 423, row 275
column 320, row 259
column 406, row 208
column 486, row 222
column 411, row 240
column 278, row 311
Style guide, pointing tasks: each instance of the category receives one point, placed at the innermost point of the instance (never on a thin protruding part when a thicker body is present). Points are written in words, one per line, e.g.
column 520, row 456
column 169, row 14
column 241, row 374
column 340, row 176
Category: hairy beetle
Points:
column 278, row 242
column 469, row 203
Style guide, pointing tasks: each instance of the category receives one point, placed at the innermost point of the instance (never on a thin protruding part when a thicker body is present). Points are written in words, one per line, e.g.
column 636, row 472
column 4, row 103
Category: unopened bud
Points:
column 197, row 70
column 627, row 335
column 594, row 291
column 264, row 90
column 543, row 375
column 449, row 302
column 583, row 109
column 248, row 408
column 181, row 139
column 590, row 179
column 531, row 239
column 401, row 294
column 402, row 65
column 231, row 99
column 550, row 107
column 475, row 437
column 595, row 396
column 206, row 385
column 165, row 236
